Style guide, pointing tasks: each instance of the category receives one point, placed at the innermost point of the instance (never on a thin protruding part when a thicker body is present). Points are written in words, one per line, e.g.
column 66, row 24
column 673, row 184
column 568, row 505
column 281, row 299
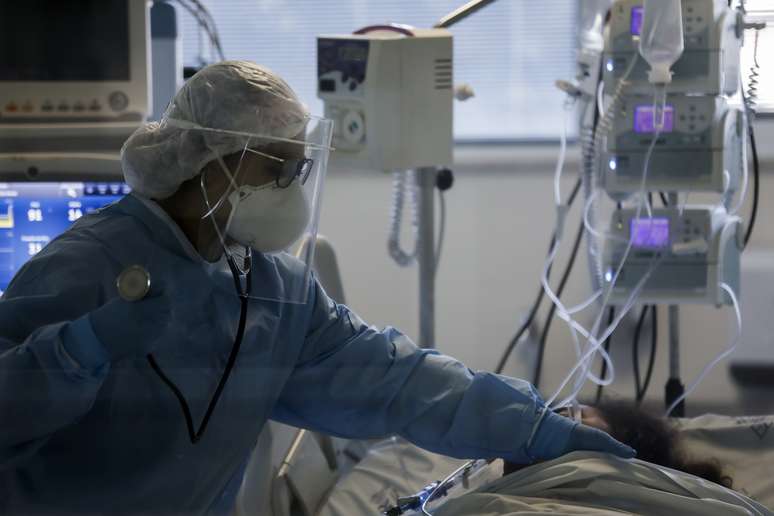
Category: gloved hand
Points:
column 129, row 329
column 558, row 435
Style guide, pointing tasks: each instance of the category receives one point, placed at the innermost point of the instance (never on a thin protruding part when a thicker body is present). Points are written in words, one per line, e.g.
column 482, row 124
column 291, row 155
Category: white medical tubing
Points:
column 628, row 305
column 597, row 343
column 601, row 99
column 565, row 314
column 723, row 354
column 467, row 465
column 594, row 344
column 561, row 211
column 588, row 224
column 659, row 108
column 742, row 193
column 585, row 304
column 562, row 154
column 586, row 216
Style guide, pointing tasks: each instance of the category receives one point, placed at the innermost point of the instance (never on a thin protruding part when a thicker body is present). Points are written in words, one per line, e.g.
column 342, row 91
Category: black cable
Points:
column 552, row 311
column 538, row 299
column 204, row 18
column 641, row 387
column 193, row 434
column 541, row 293
column 756, row 168
column 653, row 346
column 756, row 185
column 528, row 321
column 606, row 346
column 636, row 350
column 214, row 34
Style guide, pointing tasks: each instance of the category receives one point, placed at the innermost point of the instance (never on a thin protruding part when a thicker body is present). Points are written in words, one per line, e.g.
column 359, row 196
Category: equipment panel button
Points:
column 118, row 101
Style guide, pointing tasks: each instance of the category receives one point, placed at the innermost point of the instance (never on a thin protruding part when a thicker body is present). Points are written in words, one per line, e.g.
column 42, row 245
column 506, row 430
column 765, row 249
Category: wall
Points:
column 500, row 218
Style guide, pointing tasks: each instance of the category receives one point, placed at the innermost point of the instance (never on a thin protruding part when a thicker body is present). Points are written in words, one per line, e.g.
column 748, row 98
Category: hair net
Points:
column 231, row 95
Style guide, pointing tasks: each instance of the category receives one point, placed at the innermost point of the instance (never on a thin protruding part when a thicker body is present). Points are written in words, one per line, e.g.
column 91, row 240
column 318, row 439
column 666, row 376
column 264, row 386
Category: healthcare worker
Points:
column 151, row 402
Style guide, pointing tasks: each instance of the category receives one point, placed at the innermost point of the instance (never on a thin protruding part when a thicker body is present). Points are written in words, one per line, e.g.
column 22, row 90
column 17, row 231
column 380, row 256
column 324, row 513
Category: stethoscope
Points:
column 134, row 283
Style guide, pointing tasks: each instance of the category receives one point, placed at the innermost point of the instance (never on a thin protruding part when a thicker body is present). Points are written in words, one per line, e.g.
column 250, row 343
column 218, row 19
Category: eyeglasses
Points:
column 289, row 169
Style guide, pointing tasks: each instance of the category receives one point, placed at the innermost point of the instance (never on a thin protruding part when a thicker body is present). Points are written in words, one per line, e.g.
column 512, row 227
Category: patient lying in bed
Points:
column 664, row 479
column 654, row 438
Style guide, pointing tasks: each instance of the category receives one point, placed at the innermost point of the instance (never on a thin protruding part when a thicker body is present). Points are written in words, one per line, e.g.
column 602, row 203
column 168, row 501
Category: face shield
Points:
column 265, row 205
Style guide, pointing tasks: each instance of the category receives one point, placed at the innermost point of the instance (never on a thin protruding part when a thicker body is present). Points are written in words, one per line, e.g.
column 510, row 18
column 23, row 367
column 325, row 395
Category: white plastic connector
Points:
column 660, row 73
column 696, row 246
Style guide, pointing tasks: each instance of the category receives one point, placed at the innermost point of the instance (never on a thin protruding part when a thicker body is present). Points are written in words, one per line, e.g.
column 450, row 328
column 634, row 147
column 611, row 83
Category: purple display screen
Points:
column 636, row 24
column 650, row 233
column 644, row 120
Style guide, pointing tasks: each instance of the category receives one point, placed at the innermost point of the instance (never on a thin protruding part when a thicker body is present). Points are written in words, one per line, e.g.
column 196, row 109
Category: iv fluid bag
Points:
column 661, row 37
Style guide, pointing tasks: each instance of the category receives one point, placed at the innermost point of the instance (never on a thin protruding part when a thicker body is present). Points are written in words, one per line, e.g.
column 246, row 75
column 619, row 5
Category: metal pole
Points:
column 674, row 324
column 674, row 387
column 674, row 341
column 426, row 256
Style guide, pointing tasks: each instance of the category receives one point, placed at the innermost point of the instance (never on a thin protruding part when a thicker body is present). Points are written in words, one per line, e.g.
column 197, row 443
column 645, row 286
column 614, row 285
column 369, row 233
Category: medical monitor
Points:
column 74, row 61
column 34, row 213
column 645, row 119
column 649, row 233
column 638, row 14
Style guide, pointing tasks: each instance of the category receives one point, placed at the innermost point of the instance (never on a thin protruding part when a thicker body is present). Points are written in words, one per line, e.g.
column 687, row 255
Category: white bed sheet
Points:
column 586, row 483
column 744, row 446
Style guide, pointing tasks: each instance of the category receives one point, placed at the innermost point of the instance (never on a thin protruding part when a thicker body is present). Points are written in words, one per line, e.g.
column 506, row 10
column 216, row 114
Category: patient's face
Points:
column 591, row 416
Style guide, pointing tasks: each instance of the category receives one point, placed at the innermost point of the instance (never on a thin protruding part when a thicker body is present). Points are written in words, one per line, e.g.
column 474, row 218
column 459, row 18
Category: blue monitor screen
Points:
column 33, row 214
column 650, row 233
column 636, row 20
column 645, row 119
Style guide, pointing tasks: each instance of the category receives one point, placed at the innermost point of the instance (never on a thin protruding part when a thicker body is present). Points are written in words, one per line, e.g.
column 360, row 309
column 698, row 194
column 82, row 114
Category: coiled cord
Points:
column 753, row 78
column 402, row 182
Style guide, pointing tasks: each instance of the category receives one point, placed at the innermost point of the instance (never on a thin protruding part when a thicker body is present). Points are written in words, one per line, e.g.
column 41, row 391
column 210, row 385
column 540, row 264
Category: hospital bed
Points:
column 368, row 477
column 316, row 475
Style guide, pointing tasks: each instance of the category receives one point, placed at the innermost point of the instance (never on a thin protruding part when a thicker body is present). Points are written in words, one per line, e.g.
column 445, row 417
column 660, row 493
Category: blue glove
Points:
column 129, row 329
column 122, row 329
column 588, row 438
column 557, row 435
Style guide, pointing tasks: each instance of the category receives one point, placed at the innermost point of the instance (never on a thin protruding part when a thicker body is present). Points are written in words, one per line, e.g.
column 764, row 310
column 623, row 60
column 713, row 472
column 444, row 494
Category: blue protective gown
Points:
column 81, row 435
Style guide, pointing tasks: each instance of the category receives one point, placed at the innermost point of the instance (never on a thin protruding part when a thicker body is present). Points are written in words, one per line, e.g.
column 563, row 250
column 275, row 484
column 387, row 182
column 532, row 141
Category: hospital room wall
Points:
column 500, row 218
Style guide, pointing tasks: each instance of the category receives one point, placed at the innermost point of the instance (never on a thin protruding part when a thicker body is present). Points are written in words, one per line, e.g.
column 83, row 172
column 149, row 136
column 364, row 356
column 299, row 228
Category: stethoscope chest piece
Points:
column 133, row 283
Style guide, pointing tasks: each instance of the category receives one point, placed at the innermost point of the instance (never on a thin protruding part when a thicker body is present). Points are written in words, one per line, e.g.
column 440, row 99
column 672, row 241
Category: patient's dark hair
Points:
column 655, row 440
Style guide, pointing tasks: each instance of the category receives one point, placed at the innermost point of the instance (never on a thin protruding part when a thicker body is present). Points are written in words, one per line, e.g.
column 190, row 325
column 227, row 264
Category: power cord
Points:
column 641, row 387
column 756, row 186
column 206, row 22
column 552, row 311
column 538, row 299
